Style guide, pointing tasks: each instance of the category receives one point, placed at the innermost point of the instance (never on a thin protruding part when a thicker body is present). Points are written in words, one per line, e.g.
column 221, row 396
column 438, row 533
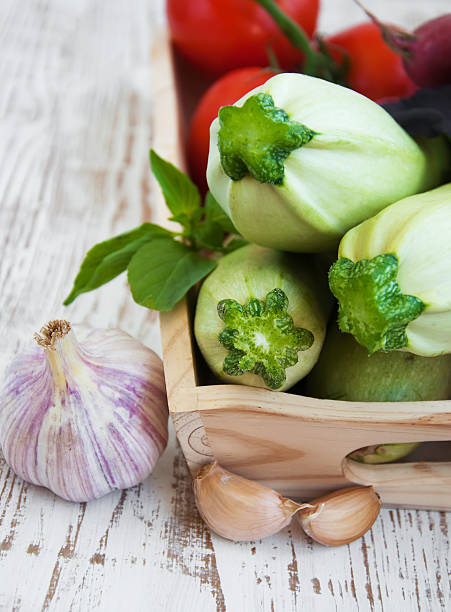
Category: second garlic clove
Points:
column 340, row 517
column 237, row 508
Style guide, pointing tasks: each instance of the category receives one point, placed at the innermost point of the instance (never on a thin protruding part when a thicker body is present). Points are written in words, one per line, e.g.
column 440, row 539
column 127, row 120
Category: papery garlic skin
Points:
column 237, row 508
column 86, row 416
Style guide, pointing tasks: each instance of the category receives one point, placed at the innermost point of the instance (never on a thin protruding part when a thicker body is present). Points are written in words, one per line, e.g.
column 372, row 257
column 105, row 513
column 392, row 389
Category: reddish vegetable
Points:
column 426, row 52
column 375, row 70
column 220, row 35
column 225, row 91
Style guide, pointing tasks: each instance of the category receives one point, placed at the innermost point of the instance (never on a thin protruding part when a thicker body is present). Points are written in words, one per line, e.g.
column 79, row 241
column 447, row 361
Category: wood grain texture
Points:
column 303, row 458
column 297, row 445
column 176, row 335
column 76, row 122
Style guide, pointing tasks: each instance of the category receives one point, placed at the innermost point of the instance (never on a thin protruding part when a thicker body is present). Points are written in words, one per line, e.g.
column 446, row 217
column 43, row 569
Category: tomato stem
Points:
column 293, row 32
column 316, row 63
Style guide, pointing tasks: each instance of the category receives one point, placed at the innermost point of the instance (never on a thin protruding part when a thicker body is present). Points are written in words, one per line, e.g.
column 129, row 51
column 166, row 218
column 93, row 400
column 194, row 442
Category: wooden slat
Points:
column 166, row 137
column 297, row 444
column 176, row 337
column 419, row 484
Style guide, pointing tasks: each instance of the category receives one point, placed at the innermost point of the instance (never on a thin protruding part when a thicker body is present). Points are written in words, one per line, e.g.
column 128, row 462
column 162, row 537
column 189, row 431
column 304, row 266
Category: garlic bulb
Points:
column 237, row 508
column 340, row 517
column 84, row 416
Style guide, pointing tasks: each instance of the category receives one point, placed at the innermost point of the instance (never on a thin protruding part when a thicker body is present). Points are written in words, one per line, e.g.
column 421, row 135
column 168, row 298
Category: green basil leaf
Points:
column 163, row 270
column 184, row 220
column 181, row 194
column 181, row 218
column 109, row 258
column 209, row 234
column 213, row 212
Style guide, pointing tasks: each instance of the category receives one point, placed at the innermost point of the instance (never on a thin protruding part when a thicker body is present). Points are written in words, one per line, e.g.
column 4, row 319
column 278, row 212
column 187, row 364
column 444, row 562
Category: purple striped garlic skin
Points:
column 84, row 416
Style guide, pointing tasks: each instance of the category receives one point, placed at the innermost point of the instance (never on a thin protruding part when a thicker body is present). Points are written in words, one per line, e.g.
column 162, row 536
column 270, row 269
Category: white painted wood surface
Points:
column 76, row 125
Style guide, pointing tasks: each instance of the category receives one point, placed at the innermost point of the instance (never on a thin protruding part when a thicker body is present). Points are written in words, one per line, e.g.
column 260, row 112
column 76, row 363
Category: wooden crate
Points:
column 297, row 445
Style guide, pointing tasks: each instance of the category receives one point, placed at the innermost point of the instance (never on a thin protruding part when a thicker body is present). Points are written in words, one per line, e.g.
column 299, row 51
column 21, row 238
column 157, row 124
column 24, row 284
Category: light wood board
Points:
column 76, row 125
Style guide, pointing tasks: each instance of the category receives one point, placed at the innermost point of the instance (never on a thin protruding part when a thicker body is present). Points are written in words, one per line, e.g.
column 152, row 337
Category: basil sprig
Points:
column 163, row 265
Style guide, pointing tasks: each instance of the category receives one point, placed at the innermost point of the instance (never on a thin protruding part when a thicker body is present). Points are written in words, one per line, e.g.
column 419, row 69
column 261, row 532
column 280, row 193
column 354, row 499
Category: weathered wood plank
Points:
column 76, row 124
column 76, row 120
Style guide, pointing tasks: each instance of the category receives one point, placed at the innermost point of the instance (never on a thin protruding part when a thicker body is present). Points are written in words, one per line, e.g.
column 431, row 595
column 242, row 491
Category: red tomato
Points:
column 219, row 35
column 226, row 90
column 376, row 71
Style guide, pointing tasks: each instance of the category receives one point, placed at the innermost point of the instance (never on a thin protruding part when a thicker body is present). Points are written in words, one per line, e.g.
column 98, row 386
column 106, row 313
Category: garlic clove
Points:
column 341, row 516
column 84, row 415
column 237, row 508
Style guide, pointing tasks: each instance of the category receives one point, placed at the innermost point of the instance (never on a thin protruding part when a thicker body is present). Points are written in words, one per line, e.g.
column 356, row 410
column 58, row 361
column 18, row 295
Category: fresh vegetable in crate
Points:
column 426, row 52
column 392, row 279
column 298, row 161
column 261, row 317
column 220, row 35
column 226, row 90
column 425, row 114
column 374, row 69
column 346, row 372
